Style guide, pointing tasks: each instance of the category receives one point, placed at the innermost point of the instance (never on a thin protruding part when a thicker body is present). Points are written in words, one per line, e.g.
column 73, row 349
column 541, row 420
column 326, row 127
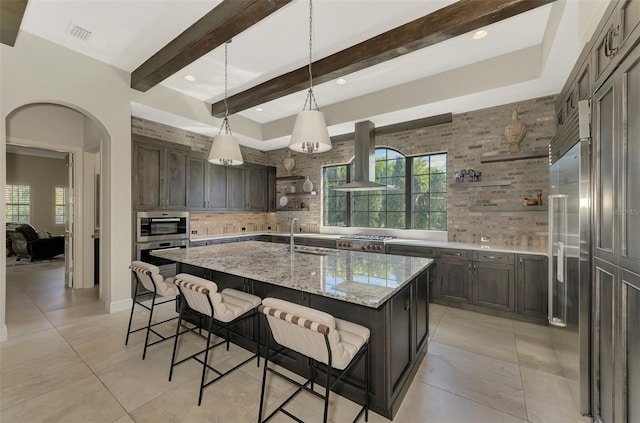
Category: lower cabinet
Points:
column 531, row 286
column 505, row 284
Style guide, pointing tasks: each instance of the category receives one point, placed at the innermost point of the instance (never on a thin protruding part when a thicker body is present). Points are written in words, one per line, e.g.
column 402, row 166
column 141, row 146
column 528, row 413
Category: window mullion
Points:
column 408, row 192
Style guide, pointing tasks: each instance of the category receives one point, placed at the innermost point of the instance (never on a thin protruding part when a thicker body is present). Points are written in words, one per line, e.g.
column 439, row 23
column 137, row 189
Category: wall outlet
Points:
column 485, row 239
column 194, row 232
column 244, row 229
column 268, row 228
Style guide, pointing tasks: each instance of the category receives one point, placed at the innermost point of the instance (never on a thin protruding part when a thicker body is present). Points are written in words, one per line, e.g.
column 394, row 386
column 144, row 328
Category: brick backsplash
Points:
column 466, row 139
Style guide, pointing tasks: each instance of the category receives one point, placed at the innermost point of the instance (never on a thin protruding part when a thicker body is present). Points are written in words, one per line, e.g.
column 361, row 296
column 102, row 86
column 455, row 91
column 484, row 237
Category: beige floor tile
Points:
column 135, row 382
column 60, row 297
column 538, row 354
column 82, row 401
column 25, row 325
column 340, row 409
column 532, row 329
column 77, row 313
column 483, row 379
column 25, row 348
column 124, row 419
column 38, row 376
column 548, row 398
column 426, row 403
column 471, row 335
column 479, row 319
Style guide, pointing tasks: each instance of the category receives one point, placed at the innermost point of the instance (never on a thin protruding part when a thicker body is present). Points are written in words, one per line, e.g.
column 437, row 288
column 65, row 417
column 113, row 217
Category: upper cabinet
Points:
column 170, row 176
column 616, row 38
column 159, row 176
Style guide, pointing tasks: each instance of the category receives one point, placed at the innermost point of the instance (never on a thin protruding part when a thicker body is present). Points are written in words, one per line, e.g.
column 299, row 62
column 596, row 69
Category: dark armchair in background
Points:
column 25, row 242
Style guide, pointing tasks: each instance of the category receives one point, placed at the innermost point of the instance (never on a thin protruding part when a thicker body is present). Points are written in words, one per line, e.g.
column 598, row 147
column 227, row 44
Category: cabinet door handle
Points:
column 475, row 268
column 610, row 51
column 407, row 302
column 491, row 257
column 521, row 261
column 469, row 267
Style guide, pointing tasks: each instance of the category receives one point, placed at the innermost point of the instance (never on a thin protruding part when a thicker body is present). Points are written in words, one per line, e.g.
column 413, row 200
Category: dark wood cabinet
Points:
column 256, row 184
column 421, row 309
column 160, row 174
column 494, row 285
column 453, row 281
column 217, row 187
column 197, row 183
column 235, row 188
column 629, row 390
column 532, row 285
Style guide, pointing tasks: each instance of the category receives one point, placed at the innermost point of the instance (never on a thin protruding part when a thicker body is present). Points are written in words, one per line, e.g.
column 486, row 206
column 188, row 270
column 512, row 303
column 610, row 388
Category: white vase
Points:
column 289, row 164
column 308, row 185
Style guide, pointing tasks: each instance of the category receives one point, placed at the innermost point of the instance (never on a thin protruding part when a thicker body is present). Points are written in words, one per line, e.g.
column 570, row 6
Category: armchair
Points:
column 26, row 243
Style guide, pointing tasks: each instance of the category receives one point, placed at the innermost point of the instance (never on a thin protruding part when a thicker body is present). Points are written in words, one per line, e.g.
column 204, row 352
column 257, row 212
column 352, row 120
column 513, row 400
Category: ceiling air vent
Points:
column 80, row 33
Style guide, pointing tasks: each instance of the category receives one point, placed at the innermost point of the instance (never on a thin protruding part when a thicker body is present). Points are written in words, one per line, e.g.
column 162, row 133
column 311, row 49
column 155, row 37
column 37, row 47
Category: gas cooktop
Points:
column 361, row 242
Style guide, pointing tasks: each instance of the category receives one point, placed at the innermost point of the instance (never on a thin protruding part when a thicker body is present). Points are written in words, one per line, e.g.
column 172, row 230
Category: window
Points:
column 421, row 179
column 17, row 199
column 61, row 205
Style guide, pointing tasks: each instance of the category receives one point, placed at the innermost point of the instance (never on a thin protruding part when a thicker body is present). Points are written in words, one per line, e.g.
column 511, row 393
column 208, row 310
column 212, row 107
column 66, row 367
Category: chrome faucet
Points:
column 293, row 225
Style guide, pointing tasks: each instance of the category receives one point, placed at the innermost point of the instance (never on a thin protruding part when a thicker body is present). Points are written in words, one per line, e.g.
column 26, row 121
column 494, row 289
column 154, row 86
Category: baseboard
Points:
column 116, row 306
column 3, row 333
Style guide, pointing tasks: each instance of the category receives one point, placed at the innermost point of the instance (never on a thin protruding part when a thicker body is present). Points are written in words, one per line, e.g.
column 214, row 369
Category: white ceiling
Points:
column 527, row 56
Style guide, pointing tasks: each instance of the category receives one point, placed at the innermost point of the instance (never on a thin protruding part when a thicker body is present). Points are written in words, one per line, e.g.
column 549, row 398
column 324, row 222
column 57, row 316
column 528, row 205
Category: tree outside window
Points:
column 60, row 205
column 17, row 200
column 421, row 179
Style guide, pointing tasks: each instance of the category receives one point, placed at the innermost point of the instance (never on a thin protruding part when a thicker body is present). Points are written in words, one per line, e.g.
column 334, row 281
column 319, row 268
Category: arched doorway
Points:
column 48, row 126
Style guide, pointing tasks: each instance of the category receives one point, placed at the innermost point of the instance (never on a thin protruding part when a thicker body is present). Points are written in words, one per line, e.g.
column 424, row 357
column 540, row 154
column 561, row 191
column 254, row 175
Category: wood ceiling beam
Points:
column 11, row 14
column 225, row 21
column 443, row 24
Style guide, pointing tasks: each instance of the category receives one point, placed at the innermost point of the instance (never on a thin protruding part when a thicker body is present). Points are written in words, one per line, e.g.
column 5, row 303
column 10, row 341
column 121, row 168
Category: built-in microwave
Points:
column 161, row 226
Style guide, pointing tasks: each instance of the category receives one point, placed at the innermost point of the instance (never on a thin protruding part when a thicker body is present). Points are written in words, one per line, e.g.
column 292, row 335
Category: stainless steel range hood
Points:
column 365, row 170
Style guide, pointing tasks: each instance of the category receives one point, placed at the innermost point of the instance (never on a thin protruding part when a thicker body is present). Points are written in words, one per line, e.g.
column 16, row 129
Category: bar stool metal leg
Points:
column 146, row 339
column 133, row 306
column 206, row 360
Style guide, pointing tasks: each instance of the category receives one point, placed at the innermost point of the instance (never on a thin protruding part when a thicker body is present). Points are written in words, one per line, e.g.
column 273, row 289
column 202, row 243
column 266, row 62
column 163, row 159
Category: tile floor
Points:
column 65, row 361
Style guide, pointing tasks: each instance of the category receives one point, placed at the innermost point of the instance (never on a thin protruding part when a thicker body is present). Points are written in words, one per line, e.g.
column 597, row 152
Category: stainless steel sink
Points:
column 316, row 251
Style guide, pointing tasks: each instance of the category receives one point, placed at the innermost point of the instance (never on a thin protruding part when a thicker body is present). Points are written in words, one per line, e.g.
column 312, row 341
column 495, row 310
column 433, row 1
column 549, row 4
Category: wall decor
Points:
column 514, row 133
column 289, row 164
column 460, row 175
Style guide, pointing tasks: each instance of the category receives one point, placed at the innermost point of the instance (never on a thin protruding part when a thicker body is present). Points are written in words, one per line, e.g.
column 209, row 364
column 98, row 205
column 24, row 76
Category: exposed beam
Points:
column 11, row 13
column 446, row 23
column 225, row 21
column 400, row 127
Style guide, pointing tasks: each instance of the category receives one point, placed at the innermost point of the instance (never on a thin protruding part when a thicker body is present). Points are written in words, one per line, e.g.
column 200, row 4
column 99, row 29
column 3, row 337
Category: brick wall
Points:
column 470, row 136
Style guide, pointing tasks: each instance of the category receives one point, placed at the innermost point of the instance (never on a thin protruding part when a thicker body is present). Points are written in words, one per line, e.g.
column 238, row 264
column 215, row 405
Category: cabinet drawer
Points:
column 452, row 253
column 492, row 257
column 198, row 243
column 412, row 251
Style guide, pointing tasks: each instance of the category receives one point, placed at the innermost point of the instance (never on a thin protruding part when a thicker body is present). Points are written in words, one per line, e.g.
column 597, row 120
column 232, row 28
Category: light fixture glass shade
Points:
column 310, row 134
column 225, row 151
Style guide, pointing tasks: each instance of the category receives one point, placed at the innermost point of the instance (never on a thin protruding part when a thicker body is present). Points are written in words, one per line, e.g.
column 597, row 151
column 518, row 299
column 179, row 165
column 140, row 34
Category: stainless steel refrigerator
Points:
column 569, row 256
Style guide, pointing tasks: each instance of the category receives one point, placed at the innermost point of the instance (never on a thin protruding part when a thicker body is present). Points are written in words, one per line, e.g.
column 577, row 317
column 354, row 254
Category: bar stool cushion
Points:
column 165, row 287
column 227, row 305
column 345, row 338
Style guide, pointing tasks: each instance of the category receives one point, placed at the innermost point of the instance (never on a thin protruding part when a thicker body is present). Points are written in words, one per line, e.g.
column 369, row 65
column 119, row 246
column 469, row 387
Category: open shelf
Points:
column 299, row 194
column 291, row 178
column 480, row 184
column 293, row 209
column 507, row 208
column 515, row 156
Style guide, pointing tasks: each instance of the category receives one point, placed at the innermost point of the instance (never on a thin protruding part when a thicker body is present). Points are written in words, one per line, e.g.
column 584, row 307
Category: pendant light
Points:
column 225, row 150
column 310, row 133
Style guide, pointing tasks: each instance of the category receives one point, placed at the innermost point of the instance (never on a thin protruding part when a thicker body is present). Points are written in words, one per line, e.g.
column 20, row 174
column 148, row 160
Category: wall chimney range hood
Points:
column 364, row 162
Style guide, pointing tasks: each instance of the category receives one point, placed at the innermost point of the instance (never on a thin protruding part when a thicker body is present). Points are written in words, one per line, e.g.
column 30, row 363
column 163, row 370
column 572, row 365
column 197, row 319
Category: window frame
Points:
column 8, row 204
column 63, row 205
column 409, row 193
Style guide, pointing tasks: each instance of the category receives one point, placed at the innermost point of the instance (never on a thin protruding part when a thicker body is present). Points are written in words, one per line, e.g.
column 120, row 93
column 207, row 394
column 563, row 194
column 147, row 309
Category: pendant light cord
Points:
column 311, row 99
column 225, row 122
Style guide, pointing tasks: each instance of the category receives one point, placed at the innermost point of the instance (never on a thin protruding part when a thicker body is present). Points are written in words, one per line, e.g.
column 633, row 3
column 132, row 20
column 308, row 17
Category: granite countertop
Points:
column 398, row 241
column 367, row 279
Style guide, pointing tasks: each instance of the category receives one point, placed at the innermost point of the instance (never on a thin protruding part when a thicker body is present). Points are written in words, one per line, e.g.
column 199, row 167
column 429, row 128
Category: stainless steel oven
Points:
column 167, row 267
column 161, row 226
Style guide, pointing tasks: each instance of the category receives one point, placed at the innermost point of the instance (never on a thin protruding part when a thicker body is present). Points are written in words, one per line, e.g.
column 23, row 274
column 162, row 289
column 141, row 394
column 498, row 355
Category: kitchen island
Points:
column 386, row 293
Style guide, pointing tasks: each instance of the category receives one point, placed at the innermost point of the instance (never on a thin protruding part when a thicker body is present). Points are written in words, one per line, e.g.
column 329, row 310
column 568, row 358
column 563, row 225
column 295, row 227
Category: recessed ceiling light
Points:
column 480, row 34
column 258, row 109
column 190, row 78
column 341, row 81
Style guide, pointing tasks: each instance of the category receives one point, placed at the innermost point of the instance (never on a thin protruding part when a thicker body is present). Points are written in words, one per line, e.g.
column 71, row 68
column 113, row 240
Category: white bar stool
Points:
column 338, row 344
column 223, row 309
column 150, row 278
